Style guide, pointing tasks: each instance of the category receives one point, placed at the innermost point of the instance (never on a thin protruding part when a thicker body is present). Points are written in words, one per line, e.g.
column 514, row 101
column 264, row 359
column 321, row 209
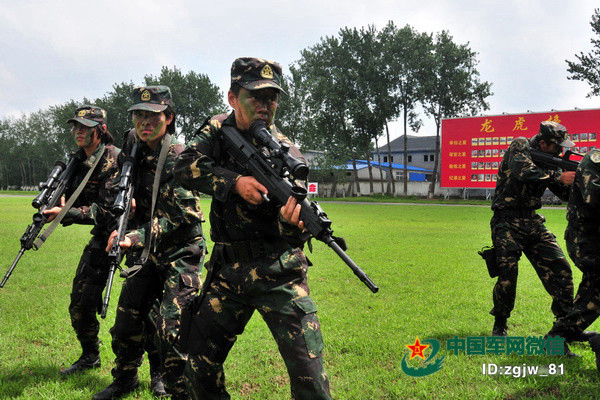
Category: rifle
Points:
column 51, row 192
column 121, row 208
column 276, row 169
column 548, row 160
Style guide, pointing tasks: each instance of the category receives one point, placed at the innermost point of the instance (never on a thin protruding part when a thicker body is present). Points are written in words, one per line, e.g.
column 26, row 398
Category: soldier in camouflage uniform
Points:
column 91, row 208
column 176, row 249
column 583, row 244
column 257, row 262
column 517, row 229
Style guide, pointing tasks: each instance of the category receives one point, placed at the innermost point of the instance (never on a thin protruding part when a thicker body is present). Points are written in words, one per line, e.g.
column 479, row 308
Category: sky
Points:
column 55, row 51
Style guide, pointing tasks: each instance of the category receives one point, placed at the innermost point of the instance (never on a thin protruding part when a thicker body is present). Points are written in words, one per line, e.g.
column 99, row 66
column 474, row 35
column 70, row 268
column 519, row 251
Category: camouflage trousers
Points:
column 86, row 300
column 276, row 286
column 86, row 293
column 584, row 250
column 511, row 238
column 174, row 283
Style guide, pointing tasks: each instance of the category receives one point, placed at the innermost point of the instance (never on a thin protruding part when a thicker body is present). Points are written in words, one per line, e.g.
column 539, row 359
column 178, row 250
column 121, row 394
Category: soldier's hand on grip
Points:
column 250, row 190
column 567, row 178
column 125, row 244
column 290, row 212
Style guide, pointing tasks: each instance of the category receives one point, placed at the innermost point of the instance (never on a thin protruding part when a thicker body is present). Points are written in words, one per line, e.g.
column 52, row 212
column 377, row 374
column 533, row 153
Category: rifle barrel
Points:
column 355, row 268
column 12, row 267
column 111, row 276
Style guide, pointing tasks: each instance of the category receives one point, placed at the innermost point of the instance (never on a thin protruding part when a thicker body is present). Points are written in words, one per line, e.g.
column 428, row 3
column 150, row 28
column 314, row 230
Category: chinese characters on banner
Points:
column 472, row 148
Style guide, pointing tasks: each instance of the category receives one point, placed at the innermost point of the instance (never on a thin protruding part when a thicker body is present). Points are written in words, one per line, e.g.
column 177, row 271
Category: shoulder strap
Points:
column 148, row 243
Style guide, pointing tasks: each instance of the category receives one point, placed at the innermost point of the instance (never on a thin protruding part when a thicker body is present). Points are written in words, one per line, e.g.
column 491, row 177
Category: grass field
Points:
column 432, row 285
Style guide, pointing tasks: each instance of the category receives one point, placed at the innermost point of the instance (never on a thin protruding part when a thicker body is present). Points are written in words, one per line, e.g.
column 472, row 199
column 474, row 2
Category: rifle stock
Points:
column 274, row 171
column 51, row 192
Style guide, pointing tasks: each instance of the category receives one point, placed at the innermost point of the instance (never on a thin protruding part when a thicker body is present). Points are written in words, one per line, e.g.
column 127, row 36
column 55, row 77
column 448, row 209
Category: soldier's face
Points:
column 84, row 136
column 550, row 147
column 254, row 105
column 150, row 126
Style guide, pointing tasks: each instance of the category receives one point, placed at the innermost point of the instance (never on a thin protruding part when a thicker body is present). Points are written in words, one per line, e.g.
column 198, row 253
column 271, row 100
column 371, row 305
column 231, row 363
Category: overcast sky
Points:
column 54, row 51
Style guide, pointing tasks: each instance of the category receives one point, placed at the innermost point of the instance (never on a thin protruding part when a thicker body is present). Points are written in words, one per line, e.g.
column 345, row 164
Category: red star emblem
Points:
column 417, row 349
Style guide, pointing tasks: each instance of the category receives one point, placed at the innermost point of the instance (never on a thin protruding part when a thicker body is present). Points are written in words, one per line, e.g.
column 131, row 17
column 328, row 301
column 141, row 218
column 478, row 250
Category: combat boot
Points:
column 85, row 362
column 156, row 376
column 595, row 345
column 157, row 386
column 500, row 328
column 90, row 358
column 118, row 388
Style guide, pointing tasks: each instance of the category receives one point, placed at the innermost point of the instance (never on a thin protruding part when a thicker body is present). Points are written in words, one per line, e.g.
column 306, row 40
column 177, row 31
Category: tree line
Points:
column 30, row 144
column 344, row 91
column 341, row 95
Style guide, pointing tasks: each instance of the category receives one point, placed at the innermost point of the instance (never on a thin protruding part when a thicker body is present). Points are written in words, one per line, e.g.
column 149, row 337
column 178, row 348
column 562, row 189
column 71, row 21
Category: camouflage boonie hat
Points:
column 554, row 132
column 151, row 98
column 89, row 116
column 255, row 73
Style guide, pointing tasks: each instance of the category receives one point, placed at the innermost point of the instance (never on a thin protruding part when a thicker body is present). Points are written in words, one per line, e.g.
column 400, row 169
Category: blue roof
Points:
column 360, row 164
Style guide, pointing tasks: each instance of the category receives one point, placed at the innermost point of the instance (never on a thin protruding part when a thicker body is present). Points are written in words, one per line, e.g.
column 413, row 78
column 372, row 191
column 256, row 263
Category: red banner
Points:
column 472, row 148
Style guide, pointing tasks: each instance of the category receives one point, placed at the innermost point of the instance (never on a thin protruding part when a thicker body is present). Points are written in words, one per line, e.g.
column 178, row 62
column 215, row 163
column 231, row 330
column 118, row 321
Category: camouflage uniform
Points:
column 90, row 208
column 256, row 264
column 583, row 238
column 170, row 275
column 516, row 228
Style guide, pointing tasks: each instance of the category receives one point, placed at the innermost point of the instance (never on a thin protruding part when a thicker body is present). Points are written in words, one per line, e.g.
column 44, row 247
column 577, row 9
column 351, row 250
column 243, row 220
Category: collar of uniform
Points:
column 147, row 150
column 92, row 158
column 230, row 120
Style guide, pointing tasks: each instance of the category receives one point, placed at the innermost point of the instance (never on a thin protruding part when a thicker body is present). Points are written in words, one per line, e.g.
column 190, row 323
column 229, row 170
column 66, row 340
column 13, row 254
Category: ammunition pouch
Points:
column 489, row 255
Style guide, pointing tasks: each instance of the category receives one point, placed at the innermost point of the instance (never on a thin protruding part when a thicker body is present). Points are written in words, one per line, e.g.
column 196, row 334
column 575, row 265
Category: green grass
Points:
column 379, row 198
column 432, row 285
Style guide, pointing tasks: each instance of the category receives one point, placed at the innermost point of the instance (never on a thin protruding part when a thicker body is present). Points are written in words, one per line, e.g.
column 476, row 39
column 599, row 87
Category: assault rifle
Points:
column 276, row 169
column 51, row 192
column 549, row 161
column 121, row 208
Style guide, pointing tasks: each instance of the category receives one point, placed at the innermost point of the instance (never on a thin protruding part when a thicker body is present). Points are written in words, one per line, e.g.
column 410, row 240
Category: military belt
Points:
column 248, row 250
column 521, row 213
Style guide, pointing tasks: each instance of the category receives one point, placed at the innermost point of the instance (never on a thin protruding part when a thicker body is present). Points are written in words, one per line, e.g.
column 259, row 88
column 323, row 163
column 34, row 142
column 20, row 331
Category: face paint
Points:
column 256, row 105
column 83, row 135
column 150, row 126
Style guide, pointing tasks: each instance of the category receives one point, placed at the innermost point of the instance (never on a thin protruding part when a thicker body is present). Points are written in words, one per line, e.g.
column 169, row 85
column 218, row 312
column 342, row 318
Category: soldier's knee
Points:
column 207, row 340
column 127, row 324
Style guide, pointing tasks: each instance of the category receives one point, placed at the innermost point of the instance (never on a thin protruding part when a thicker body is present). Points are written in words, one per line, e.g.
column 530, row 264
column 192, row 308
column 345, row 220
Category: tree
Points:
column 405, row 52
column 588, row 67
column 30, row 144
column 195, row 96
column 116, row 103
column 327, row 80
column 452, row 88
column 343, row 94
column 291, row 114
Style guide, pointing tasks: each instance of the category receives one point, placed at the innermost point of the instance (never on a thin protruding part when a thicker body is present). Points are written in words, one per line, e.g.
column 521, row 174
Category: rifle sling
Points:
column 65, row 209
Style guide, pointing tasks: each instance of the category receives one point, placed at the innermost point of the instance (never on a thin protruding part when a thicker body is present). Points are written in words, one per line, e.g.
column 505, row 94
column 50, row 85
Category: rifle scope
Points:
column 46, row 187
column 297, row 168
